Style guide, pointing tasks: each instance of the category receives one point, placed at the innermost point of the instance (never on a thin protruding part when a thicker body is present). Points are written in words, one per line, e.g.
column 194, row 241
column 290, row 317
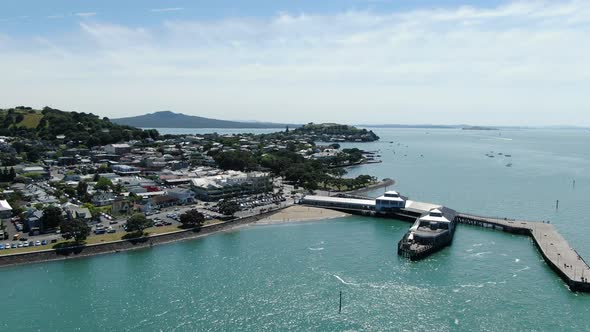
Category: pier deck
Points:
column 556, row 251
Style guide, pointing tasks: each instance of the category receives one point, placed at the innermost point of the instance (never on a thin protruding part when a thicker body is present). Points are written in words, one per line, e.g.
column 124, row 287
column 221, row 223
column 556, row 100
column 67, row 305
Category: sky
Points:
column 522, row 63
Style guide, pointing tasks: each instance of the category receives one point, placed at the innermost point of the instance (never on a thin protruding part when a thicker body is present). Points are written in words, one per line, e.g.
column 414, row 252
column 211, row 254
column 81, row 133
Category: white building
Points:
column 5, row 209
column 391, row 201
column 230, row 184
column 117, row 148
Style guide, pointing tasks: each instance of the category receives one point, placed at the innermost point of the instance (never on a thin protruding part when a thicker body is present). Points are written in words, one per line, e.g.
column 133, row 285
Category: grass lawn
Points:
column 30, row 120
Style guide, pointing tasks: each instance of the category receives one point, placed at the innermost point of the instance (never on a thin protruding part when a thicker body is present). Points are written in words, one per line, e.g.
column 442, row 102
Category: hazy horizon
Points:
column 497, row 63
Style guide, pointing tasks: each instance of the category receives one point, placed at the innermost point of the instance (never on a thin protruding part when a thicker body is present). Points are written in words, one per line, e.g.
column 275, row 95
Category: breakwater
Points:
column 383, row 184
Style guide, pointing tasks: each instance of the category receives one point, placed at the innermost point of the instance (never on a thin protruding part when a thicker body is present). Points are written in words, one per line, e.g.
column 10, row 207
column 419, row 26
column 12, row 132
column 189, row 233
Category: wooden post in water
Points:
column 340, row 307
column 557, row 205
column 574, row 184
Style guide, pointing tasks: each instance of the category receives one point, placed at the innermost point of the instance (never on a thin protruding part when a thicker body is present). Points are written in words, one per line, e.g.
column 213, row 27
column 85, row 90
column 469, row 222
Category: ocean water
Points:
column 221, row 131
column 288, row 277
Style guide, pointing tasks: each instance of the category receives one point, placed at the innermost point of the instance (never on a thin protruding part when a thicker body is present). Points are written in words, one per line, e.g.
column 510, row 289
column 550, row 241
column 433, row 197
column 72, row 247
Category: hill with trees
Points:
column 167, row 119
column 54, row 125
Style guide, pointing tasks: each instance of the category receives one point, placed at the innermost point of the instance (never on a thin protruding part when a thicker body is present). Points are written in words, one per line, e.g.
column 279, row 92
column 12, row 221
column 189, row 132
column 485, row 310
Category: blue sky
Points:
column 353, row 61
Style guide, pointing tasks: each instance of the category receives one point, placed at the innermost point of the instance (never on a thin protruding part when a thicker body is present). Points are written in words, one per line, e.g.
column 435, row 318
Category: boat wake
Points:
column 480, row 254
column 472, row 286
column 316, row 249
column 344, row 282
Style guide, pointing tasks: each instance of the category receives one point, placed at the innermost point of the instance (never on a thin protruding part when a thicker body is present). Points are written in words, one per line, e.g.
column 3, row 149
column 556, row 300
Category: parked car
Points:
column 14, row 246
column 44, row 242
column 37, row 243
column 1, row 246
column 31, row 243
column 112, row 230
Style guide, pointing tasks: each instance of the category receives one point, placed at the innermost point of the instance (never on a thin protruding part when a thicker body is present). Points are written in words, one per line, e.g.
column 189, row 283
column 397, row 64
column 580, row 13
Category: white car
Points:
column 26, row 244
column 37, row 243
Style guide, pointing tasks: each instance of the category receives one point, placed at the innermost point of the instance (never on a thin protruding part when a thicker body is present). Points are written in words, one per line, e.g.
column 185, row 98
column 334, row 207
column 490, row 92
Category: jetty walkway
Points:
column 556, row 251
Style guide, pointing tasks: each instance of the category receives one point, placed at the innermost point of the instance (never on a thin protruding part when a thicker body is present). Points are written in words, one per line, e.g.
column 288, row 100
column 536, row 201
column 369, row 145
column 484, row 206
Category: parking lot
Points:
column 170, row 216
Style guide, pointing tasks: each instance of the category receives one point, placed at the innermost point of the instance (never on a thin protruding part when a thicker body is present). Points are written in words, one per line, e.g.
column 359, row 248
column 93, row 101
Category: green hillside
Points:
column 49, row 124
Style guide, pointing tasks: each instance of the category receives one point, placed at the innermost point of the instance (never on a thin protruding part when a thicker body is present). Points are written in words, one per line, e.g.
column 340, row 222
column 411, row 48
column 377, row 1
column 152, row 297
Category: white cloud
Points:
column 521, row 63
column 85, row 14
column 169, row 9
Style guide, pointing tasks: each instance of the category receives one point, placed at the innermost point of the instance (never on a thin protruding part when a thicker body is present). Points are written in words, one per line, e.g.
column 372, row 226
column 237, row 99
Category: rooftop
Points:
column 4, row 206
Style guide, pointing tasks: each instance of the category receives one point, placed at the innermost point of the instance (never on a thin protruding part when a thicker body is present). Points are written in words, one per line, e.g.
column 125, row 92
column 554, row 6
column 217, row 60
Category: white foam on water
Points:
column 162, row 313
column 480, row 254
column 516, row 260
column 316, row 249
column 472, row 286
column 456, row 321
column 344, row 282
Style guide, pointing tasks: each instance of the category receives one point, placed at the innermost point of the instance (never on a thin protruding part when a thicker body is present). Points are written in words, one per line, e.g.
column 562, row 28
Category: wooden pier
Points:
column 558, row 254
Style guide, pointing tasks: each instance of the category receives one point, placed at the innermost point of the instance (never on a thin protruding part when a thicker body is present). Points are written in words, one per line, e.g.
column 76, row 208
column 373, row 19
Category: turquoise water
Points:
column 287, row 277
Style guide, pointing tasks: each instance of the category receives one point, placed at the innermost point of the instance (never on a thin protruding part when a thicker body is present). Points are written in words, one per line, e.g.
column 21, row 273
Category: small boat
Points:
column 508, row 155
column 509, row 165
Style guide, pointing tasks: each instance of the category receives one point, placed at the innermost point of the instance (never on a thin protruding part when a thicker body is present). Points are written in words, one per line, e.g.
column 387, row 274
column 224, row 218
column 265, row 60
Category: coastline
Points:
column 293, row 213
column 383, row 184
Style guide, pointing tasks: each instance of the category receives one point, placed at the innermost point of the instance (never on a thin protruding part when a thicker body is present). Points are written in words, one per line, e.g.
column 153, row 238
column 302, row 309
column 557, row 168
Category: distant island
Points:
column 429, row 126
column 168, row 119
column 479, row 128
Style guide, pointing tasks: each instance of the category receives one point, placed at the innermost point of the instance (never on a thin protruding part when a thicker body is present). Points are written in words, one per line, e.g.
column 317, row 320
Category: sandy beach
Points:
column 301, row 213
